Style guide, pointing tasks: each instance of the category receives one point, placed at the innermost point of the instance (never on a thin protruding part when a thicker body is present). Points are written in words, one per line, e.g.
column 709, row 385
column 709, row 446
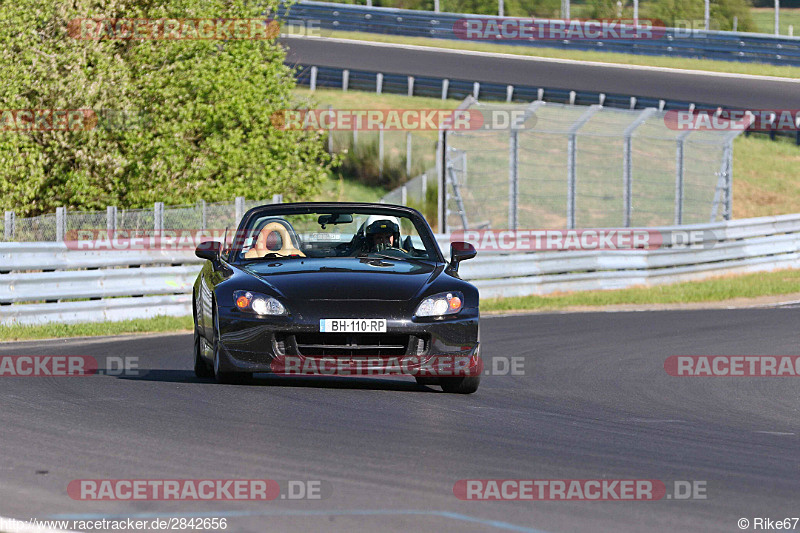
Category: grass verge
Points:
column 764, row 19
column 710, row 290
column 732, row 67
column 157, row 324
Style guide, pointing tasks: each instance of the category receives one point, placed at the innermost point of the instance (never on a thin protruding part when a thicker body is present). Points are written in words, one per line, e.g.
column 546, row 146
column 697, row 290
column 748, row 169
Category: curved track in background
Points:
column 726, row 90
column 595, row 402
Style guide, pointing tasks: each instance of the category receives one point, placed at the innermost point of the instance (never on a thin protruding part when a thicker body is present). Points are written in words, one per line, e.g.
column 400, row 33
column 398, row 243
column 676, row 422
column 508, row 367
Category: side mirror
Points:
column 210, row 250
column 461, row 251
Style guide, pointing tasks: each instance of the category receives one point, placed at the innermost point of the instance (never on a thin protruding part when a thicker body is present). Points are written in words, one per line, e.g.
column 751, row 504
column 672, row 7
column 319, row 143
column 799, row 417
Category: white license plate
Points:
column 352, row 325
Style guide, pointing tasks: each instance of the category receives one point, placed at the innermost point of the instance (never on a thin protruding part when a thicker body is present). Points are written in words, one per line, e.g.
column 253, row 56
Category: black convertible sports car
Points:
column 336, row 288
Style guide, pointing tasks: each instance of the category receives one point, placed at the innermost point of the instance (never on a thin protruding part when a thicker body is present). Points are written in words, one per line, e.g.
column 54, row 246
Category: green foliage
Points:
column 207, row 106
column 676, row 12
column 602, row 9
column 361, row 162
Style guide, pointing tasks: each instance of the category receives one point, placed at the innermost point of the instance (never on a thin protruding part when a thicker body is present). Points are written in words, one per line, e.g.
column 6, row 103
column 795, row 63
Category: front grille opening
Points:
column 340, row 344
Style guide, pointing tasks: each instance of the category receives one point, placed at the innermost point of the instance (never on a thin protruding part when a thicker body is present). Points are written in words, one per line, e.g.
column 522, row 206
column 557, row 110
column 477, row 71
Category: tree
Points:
column 203, row 111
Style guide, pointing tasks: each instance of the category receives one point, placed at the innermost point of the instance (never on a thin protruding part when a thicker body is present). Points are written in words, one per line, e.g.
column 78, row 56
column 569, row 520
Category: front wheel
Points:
column 465, row 385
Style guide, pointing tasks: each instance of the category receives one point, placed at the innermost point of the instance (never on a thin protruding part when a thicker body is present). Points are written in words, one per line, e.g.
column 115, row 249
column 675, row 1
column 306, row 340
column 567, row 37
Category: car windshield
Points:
column 378, row 232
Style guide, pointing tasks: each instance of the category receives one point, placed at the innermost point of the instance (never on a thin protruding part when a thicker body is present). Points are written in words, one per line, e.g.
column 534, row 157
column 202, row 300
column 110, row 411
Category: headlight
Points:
column 260, row 304
column 446, row 303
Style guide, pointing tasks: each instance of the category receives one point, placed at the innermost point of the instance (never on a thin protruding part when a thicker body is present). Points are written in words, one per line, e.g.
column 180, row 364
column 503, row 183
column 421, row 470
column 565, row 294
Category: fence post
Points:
column 445, row 87
column 313, row 82
column 424, row 189
column 411, row 86
column 679, row 174
column 571, row 162
column 441, row 217
column 513, row 177
column 158, row 216
column 345, row 79
column 627, row 164
column 476, row 89
column 380, row 149
column 408, row 153
column 379, row 83
column 277, row 198
column 330, row 131
column 729, row 183
column 404, row 195
column 8, row 227
column 509, row 92
column 61, row 223
column 111, row 219
column 627, row 182
column 203, row 215
column 239, row 205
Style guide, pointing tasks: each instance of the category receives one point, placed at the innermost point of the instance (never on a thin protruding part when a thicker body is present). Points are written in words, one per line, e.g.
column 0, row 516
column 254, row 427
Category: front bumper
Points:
column 294, row 345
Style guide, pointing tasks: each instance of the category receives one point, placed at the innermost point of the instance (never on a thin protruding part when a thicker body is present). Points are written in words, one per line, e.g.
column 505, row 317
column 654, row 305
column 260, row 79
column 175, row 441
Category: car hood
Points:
column 345, row 278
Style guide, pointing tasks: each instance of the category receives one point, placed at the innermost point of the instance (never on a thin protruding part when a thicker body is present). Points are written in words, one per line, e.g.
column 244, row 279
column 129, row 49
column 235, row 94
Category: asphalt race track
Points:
column 732, row 91
column 594, row 403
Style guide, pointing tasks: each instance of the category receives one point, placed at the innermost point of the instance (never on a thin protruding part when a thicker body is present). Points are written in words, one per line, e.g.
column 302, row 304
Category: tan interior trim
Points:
column 260, row 249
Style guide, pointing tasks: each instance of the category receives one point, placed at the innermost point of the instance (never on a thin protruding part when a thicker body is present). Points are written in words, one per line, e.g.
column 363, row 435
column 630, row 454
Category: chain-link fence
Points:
column 569, row 166
column 421, row 193
column 56, row 227
column 383, row 158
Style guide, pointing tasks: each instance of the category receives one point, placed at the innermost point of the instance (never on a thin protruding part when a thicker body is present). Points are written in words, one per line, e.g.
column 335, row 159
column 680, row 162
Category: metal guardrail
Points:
column 89, row 286
column 362, row 80
column 73, row 286
column 675, row 42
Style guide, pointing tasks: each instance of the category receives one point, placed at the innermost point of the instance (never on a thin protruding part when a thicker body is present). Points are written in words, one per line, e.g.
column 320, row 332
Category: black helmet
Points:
column 384, row 227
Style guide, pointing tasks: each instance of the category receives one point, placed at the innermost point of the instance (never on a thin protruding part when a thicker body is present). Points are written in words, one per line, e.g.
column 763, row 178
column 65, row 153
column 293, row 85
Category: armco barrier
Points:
column 80, row 286
column 675, row 42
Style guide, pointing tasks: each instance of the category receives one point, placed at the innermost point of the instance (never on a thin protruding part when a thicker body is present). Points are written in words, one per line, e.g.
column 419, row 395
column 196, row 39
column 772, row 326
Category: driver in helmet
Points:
column 381, row 234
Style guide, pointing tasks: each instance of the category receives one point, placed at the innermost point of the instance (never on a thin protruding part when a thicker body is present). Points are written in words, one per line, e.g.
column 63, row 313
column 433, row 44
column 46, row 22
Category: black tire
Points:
column 201, row 368
column 465, row 385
